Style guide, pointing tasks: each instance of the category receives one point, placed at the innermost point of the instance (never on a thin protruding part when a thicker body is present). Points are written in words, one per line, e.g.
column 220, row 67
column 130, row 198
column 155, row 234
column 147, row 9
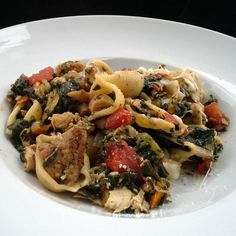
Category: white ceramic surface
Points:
column 198, row 208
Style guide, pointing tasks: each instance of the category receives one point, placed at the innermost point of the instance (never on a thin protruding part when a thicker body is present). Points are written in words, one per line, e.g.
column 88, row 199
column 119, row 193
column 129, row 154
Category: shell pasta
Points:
column 115, row 138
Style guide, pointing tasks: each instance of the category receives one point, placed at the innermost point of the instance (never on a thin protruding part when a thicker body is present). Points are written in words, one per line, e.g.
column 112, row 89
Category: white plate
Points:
column 208, row 209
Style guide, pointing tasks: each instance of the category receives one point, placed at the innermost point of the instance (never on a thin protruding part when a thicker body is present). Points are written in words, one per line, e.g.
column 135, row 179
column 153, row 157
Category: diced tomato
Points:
column 118, row 118
column 213, row 111
column 44, row 74
column 216, row 118
column 121, row 157
column 203, row 167
column 186, row 132
column 170, row 118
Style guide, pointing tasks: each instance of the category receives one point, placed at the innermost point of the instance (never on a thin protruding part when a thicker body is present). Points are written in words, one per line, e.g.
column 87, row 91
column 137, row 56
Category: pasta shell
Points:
column 61, row 163
column 101, row 66
column 100, row 102
column 129, row 82
column 180, row 155
column 47, row 181
column 100, row 86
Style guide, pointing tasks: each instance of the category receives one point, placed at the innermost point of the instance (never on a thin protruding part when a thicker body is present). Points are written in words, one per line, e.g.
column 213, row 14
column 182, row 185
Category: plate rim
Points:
column 120, row 16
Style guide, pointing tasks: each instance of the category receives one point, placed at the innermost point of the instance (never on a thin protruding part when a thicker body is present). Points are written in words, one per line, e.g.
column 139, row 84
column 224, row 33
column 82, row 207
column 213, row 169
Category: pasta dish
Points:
column 115, row 138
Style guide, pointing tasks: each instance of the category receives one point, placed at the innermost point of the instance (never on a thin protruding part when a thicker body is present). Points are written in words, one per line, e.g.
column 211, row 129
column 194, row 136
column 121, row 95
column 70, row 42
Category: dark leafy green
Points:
column 96, row 190
column 150, row 81
column 202, row 137
column 146, row 140
column 65, row 102
column 67, row 87
column 93, row 191
column 181, row 109
column 148, row 169
column 127, row 179
column 22, row 88
column 16, row 129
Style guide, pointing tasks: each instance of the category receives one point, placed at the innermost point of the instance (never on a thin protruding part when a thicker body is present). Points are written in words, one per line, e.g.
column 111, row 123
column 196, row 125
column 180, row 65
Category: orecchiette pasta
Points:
column 101, row 66
column 129, row 82
column 100, row 87
column 99, row 102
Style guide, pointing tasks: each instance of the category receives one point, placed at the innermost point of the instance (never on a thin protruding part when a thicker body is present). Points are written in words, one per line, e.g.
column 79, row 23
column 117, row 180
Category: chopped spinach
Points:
column 146, row 140
column 96, row 190
column 150, row 81
column 148, row 169
column 162, row 142
column 93, row 191
column 162, row 170
column 202, row 137
column 16, row 129
column 65, row 103
column 147, row 153
column 127, row 179
column 119, row 134
column 22, row 88
column 67, row 87
column 182, row 109
column 100, row 169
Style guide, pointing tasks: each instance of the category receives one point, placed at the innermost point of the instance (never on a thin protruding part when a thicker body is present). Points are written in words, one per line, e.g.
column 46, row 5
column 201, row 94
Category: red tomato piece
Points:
column 118, row 118
column 44, row 74
column 170, row 118
column 203, row 167
column 121, row 157
column 216, row 118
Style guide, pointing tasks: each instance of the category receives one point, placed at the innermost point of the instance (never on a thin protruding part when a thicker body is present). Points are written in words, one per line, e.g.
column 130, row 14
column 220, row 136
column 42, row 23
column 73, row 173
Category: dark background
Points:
column 215, row 15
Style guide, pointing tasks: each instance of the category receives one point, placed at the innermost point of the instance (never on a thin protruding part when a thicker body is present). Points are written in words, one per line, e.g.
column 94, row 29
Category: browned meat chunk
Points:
column 63, row 159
